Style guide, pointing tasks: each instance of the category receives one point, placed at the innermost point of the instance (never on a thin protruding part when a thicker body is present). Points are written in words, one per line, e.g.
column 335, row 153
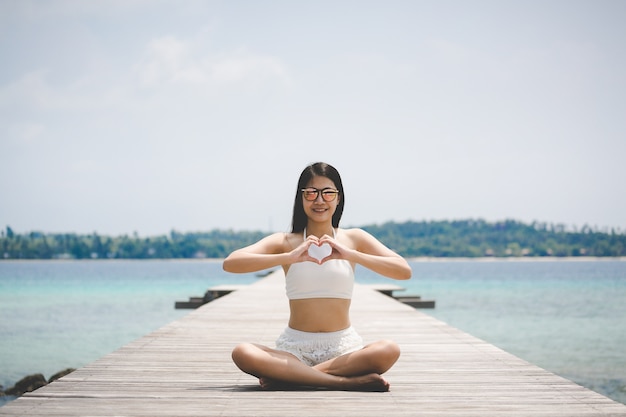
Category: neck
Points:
column 319, row 230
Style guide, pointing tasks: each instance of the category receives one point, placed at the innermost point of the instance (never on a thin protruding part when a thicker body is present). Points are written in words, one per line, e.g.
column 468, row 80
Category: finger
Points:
column 312, row 239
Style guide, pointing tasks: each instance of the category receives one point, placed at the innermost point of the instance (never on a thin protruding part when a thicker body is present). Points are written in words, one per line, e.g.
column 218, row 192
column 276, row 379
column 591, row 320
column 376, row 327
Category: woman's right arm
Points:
column 268, row 252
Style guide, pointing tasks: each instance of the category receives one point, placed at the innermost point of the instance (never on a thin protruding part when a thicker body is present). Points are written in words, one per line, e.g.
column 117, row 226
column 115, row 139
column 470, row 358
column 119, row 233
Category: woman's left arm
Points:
column 370, row 253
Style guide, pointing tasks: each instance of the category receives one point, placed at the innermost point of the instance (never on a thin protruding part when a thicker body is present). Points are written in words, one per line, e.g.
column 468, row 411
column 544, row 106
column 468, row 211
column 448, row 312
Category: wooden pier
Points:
column 184, row 369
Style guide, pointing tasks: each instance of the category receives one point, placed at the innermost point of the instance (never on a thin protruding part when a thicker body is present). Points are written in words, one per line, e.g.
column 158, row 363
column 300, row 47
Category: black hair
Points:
column 321, row 169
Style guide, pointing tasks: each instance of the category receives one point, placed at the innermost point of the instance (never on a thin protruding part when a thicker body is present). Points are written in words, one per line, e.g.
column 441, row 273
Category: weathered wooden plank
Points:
column 184, row 369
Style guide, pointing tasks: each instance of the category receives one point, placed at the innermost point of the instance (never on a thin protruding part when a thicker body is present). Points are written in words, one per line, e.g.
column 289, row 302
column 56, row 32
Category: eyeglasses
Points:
column 311, row 194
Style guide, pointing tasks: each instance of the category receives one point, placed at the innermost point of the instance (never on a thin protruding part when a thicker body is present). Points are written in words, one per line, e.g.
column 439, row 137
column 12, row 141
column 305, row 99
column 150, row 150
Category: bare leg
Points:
column 376, row 357
column 274, row 365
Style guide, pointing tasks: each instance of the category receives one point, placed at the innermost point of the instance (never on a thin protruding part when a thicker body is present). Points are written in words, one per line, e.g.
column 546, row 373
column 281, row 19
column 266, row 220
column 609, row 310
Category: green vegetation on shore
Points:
column 462, row 238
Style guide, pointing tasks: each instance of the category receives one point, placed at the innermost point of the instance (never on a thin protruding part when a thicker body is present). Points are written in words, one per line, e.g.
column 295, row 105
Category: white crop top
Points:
column 332, row 279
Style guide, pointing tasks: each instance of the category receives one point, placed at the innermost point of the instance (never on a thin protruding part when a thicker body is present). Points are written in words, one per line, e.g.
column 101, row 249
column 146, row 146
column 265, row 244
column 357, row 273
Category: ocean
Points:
column 567, row 316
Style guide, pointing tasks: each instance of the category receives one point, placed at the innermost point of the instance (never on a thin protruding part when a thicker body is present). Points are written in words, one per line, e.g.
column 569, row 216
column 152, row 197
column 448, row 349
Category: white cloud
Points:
column 35, row 93
column 243, row 65
column 25, row 132
column 161, row 105
column 31, row 88
column 42, row 10
column 171, row 60
column 164, row 60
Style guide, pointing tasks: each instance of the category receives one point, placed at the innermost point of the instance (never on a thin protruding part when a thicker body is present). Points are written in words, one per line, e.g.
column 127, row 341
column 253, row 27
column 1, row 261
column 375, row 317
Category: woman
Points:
column 319, row 348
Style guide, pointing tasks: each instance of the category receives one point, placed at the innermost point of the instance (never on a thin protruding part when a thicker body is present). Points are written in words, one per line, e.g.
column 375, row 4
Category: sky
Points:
column 137, row 116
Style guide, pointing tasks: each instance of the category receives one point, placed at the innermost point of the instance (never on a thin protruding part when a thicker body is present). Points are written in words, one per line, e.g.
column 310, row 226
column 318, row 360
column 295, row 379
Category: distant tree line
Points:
column 462, row 238
column 38, row 245
column 478, row 238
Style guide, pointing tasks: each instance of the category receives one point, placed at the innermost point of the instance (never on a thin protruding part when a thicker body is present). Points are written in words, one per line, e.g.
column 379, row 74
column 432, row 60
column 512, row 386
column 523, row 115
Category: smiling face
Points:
column 318, row 210
column 327, row 175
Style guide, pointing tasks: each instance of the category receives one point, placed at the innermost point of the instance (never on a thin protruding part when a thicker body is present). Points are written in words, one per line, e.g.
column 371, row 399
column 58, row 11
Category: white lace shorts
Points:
column 315, row 348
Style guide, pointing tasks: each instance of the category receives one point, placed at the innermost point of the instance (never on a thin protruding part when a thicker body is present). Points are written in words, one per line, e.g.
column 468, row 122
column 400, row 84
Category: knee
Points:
column 243, row 356
column 387, row 353
column 392, row 350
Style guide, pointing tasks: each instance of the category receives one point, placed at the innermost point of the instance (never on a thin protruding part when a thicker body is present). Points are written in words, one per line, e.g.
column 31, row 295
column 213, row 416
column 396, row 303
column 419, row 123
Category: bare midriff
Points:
column 319, row 314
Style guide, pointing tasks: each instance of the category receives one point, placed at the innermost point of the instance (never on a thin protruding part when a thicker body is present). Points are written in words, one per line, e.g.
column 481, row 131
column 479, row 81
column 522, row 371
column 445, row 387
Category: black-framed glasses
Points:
column 311, row 194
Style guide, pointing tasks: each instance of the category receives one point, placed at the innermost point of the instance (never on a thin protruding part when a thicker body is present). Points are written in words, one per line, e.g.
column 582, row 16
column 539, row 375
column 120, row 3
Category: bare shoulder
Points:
column 278, row 242
column 291, row 240
column 357, row 237
column 356, row 233
column 363, row 241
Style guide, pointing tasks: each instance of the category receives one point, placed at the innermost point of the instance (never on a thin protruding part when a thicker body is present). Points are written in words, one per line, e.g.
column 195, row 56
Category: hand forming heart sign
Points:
column 320, row 252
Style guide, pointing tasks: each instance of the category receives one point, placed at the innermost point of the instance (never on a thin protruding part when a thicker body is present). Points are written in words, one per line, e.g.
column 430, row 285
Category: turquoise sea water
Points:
column 568, row 317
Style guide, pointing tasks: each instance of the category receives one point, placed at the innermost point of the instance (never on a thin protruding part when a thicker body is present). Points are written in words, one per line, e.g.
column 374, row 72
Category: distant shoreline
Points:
column 522, row 259
column 410, row 259
column 470, row 238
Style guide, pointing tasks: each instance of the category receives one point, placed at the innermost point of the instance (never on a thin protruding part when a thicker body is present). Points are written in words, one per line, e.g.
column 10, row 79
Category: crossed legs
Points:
column 356, row 371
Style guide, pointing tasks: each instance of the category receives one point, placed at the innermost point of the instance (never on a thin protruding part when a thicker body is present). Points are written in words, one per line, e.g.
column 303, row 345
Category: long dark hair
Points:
column 321, row 169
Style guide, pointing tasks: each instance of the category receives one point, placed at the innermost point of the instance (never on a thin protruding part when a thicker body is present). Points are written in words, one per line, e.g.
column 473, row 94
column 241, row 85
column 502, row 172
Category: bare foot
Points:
column 274, row 385
column 370, row 382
